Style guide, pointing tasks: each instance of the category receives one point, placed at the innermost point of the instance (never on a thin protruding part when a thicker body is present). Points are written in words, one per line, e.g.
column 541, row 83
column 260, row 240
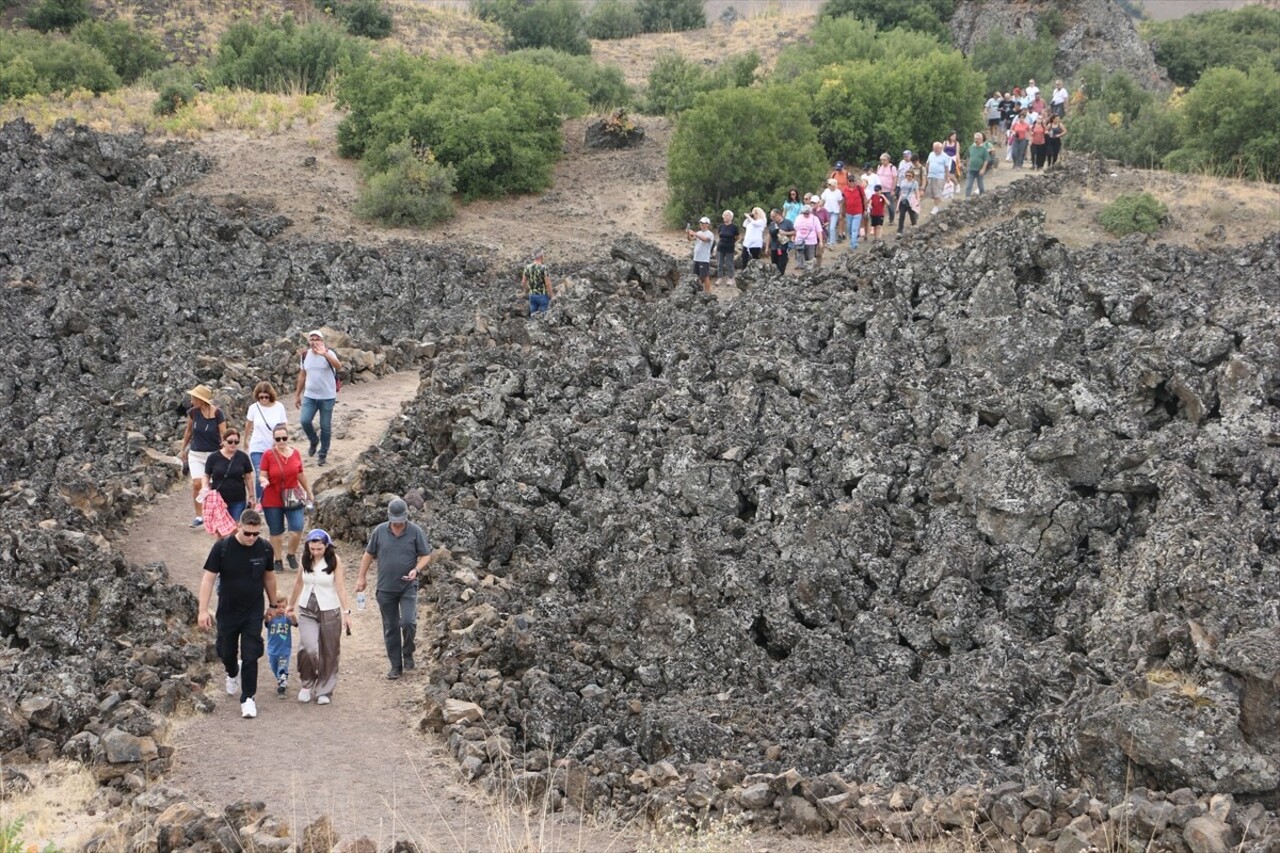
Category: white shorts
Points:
column 196, row 460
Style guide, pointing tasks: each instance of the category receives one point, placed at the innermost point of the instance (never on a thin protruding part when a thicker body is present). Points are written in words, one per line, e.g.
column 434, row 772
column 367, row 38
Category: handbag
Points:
column 292, row 498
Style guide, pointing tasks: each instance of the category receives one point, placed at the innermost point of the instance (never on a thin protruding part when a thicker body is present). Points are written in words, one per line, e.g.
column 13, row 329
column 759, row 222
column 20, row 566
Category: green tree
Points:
column 58, row 15
column 1122, row 121
column 671, row 16
column 1009, row 62
column 838, row 40
column 928, row 16
column 613, row 19
column 862, row 108
column 281, row 56
column 674, row 82
column 368, row 18
column 738, row 148
column 1188, row 46
column 36, row 64
column 604, row 86
column 496, row 122
column 1228, row 124
column 130, row 51
column 549, row 23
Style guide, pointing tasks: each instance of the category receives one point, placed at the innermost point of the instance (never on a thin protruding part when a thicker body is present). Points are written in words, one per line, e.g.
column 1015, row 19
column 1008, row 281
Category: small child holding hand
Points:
column 280, row 642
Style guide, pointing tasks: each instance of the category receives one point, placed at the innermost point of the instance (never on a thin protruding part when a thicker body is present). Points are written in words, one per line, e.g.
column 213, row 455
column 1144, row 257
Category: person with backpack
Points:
column 317, row 392
column 979, row 161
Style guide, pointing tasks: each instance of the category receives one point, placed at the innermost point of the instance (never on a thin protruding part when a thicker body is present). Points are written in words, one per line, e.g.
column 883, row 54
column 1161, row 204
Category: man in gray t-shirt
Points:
column 403, row 553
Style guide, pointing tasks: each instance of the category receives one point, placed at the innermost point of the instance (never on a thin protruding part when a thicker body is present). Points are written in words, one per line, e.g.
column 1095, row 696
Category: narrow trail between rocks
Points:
column 359, row 760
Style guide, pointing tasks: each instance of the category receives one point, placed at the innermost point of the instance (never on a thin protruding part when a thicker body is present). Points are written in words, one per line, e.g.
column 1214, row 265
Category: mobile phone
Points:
column 688, row 226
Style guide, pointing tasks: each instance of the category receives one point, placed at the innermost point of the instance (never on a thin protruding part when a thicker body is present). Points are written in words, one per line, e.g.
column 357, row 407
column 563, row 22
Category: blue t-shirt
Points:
column 279, row 637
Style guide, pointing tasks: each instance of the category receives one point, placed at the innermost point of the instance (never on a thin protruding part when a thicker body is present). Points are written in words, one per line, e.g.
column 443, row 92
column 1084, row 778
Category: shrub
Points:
column 1122, row 121
column 862, row 108
column 613, row 19
column 130, row 51
column 35, row 64
column 412, row 189
column 834, row 41
column 498, row 11
column 174, row 90
column 736, row 148
column 497, row 122
column 1188, row 46
column 549, row 23
column 1133, row 213
column 674, row 82
column 1228, row 124
column 282, row 57
column 671, row 16
column 58, row 15
column 1010, row 62
column 927, row 16
column 603, row 86
column 368, row 18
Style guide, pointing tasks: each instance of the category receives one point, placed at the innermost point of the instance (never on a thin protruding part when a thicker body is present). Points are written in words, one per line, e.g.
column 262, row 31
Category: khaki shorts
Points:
column 196, row 460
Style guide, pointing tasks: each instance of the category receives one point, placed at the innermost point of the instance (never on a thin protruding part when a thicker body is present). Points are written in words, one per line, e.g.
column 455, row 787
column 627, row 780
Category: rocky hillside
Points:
column 1095, row 31
column 975, row 537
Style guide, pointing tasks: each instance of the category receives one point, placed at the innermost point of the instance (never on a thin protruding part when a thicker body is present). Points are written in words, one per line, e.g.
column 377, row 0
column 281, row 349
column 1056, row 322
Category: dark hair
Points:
column 330, row 558
column 250, row 516
column 230, row 432
column 793, row 192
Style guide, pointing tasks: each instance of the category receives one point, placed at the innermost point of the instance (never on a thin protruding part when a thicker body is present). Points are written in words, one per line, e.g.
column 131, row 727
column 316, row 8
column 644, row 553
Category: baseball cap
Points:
column 705, row 219
column 906, row 153
column 316, row 333
column 397, row 510
column 318, row 535
column 839, row 164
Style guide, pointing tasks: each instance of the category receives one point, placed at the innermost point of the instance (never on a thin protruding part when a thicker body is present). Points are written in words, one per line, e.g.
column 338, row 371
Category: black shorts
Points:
column 876, row 220
column 702, row 269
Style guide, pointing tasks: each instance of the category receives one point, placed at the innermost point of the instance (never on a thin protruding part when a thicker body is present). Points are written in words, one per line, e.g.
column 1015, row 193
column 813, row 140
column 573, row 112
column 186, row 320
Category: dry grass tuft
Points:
column 55, row 808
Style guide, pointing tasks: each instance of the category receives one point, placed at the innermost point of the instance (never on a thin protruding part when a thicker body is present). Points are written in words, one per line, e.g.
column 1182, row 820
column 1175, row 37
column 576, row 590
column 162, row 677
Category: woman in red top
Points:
column 280, row 473
column 1039, row 146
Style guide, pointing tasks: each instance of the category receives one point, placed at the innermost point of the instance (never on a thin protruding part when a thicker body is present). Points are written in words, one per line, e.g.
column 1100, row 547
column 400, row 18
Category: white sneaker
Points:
column 248, row 709
column 323, row 700
column 304, row 695
column 933, row 212
column 233, row 685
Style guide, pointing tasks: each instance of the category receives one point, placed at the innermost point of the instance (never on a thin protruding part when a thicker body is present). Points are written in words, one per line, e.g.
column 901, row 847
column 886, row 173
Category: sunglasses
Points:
column 232, row 441
column 264, row 396
column 282, row 438
column 251, row 534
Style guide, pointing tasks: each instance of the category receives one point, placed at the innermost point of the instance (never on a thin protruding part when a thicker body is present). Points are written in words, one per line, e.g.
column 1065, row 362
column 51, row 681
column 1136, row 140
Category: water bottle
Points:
column 360, row 599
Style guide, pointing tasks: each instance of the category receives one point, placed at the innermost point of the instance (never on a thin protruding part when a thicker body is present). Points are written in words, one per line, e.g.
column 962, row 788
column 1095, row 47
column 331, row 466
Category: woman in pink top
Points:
column 1019, row 132
column 887, row 177
column 808, row 236
column 1039, row 148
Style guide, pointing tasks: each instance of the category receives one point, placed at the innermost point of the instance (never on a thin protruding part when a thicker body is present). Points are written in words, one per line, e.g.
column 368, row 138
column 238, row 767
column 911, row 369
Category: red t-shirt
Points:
column 1037, row 134
column 1020, row 129
column 852, row 200
column 282, row 473
column 877, row 204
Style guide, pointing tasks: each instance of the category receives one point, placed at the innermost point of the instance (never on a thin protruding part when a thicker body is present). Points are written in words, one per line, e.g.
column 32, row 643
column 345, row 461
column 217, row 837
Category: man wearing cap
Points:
column 317, row 391
column 403, row 553
column 536, row 284
column 241, row 564
column 702, row 239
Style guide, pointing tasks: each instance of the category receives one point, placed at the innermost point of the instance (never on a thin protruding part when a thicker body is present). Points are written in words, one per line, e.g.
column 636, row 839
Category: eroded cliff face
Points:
column 996, row 520
column 1095, row 31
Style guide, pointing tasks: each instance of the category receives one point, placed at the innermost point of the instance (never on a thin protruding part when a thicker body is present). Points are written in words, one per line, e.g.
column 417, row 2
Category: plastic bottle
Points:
column 360, row 600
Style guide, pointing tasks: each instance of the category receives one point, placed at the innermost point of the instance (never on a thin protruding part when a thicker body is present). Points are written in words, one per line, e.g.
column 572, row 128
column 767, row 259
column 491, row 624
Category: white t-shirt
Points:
column 1059, row 96
column 831, row 199
column 265, row 420
column 754, row 238
column 1032, row 91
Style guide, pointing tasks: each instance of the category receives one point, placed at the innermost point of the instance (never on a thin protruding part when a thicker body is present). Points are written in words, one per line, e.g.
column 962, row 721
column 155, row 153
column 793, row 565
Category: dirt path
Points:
column 359, row 760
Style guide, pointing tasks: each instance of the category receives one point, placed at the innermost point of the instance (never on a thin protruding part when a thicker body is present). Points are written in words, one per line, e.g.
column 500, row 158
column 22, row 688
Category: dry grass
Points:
column 55, row 809
column 256, row 113
column 436, row 31
column 190, row 29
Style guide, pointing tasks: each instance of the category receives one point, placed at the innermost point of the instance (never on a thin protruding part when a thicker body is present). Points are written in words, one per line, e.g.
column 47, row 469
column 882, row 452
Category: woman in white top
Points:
column 266, row 413
column 754, row 225
column 322, row 589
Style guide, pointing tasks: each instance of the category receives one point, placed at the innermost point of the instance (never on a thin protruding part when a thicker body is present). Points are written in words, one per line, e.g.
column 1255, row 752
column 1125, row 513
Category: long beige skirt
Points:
column 320, row 633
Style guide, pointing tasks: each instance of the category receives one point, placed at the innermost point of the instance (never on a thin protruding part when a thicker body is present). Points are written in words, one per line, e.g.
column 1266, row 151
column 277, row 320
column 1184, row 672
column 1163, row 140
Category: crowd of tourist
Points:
column 855, row 206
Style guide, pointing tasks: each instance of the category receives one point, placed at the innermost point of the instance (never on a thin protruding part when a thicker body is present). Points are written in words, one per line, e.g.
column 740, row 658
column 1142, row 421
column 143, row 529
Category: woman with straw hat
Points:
column 203, row 435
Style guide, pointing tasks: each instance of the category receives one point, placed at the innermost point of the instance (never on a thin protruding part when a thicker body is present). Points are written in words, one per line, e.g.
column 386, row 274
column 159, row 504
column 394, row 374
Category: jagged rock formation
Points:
column 1096, row 31
column 976, row 539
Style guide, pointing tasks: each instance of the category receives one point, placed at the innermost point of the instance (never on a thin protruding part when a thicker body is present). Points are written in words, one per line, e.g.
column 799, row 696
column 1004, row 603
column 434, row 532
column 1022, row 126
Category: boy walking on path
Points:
column 280, row 643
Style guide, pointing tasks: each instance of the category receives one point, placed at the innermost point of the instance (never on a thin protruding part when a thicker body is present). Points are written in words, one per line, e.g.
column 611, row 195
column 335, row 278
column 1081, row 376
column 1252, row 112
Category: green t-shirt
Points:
column 977, row 157
column 536, row 275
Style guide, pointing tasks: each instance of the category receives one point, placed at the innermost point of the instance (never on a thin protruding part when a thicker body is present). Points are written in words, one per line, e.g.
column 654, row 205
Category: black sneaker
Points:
column 393, row 674
column 280, row 691
column 323, row 460
column 293, row 561
column 311, row 450
column 278, row 566
column 408, row 662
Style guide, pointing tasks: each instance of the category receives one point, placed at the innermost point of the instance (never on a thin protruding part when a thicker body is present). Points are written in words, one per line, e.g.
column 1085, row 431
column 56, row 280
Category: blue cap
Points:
column 839, row 164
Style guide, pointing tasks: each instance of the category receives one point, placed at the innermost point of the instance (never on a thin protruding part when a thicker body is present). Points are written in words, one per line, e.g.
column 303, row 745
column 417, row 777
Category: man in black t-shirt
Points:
column 242, row 564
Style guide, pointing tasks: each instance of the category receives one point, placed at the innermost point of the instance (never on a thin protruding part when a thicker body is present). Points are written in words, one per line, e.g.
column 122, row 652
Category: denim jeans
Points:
column 724, row 264
column 325, row 408
column 853, row 221
column 538, row 303
column 833, row 226
column 256, row 459
column 399, row 623
column 968, row 185
column 1019, row 152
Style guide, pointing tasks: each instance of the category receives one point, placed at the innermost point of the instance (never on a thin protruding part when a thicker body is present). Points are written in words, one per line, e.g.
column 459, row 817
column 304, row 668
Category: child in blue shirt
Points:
column 280, row 642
